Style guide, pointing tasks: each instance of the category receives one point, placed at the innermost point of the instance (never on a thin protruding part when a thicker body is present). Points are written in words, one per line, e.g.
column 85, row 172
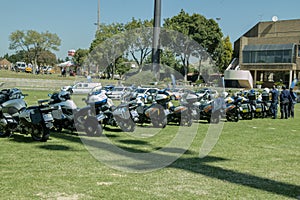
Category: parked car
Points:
column 48, row 70
column 207, row 91
column 80, row 88
column 28, row 69
column 20, row 66
column 108, row 88
column 117, row 92
column 145, row 92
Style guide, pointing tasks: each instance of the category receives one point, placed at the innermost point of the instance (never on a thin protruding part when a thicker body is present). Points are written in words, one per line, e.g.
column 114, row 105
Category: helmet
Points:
column 64, row 95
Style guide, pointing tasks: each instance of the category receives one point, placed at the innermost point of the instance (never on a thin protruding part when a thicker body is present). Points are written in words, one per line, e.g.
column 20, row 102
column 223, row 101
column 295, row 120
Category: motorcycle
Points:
column 176, row 114
column 154, row 113
column 247, row 110
column 257, row 106
column 64, row 115
column 15, row 116
column 210, row 109
column 267, row 104
column 232, row 109
column 109, row 114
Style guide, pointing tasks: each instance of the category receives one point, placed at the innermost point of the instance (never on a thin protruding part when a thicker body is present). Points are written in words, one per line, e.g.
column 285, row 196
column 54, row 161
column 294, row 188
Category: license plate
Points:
column 48, row 117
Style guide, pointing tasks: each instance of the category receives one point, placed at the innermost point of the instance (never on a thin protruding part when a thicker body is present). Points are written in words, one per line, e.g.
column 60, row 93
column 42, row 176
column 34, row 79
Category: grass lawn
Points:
column 253, row 159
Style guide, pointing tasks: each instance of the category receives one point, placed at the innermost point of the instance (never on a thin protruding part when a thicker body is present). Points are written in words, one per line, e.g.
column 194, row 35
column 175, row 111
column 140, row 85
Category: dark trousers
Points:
column 273, row 108
column 284, row 109
column 291, row 110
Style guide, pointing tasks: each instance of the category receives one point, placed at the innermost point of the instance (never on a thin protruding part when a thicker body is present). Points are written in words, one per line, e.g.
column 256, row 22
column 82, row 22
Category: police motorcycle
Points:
column 267, row 103
column 176, row 114
column 247, row 109
column 64, row 115
column 154, row 113
column 232, row 108
column 210, row 108
column 109, row 114
column 256, row 104
column 15, row 116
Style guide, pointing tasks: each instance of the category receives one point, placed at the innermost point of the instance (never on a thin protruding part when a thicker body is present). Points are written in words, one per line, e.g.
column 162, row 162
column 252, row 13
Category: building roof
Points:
column 4, row 62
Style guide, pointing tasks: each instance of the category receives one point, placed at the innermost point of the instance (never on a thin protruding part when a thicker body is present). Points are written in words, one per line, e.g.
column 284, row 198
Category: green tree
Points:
column 34, row 43
column 123, row 65
column 46, row 58
column 101, row 56
column 205, row 32
column 227, row 53
column 139, row 40
column 80, row 56
column 105, row 32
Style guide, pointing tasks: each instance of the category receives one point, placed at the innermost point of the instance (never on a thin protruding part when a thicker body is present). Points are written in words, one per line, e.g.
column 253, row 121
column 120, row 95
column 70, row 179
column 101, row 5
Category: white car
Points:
column 143, row 93
column 117, row 92
column 21, row 66
column 81, row 87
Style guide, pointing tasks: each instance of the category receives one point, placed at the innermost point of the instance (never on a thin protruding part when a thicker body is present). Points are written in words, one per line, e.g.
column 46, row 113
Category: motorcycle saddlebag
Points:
column 35, row 116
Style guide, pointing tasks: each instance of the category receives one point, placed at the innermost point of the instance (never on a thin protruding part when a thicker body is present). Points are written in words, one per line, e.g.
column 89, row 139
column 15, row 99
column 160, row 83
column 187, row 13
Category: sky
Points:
column 74, row 20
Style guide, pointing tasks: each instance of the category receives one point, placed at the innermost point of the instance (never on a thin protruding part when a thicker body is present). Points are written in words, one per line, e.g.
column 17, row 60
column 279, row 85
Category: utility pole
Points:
column 98, row 17
column 155, row 42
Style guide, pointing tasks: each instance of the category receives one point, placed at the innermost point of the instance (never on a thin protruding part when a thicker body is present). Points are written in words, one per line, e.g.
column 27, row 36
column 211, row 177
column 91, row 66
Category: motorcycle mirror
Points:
column 49, row 95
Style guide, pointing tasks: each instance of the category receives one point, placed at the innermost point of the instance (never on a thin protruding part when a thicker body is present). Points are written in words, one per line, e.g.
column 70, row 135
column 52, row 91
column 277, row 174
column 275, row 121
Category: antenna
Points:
column 274, row 18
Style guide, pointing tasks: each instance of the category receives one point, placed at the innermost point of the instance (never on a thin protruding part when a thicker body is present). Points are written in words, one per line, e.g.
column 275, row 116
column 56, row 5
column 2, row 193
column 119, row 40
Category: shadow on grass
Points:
column 136, row 142
column 198, row 165
column 21, row 138
column 55, row 147
column 201, row 166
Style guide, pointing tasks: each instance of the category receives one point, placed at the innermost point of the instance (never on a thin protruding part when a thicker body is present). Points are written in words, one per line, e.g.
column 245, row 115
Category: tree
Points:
column 105, row 32
column 34, row 43
column 227, row 53
column 205, row 32
column 105, row 48
column 138, row 37
column 80, row 56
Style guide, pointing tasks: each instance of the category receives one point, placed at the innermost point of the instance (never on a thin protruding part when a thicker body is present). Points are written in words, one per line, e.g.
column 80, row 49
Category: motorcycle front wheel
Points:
column 126, row 125
column 4, row 133
column 40, row 133
column 92, row 127
column 159, row 123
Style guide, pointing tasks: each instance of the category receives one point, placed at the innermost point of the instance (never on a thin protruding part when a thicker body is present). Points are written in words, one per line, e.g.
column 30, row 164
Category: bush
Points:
column 259, row 82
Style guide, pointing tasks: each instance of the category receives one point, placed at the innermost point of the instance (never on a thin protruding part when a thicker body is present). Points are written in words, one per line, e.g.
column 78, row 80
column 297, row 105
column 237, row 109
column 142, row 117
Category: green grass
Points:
column 253, row 159
column 57, row 76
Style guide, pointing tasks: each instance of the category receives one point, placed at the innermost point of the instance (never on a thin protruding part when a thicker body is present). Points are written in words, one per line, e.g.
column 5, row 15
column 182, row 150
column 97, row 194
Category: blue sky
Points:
column 73, row 20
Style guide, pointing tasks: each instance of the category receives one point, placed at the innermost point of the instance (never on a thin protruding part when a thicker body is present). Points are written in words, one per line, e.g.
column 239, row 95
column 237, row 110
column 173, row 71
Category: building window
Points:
column 268, row 53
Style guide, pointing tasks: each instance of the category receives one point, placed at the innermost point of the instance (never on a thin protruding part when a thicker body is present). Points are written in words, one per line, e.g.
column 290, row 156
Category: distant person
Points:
column 274, row 102
column 63, row 72
column 292, row 103
column 285, row 99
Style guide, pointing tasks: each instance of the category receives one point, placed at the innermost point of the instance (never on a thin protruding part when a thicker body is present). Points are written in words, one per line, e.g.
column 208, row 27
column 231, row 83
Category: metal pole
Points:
column 98, row 16
column 155, row 42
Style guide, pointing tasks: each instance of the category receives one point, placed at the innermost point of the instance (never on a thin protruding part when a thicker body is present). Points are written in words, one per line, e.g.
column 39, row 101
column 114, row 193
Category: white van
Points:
column 81, row 87
column 21, row 66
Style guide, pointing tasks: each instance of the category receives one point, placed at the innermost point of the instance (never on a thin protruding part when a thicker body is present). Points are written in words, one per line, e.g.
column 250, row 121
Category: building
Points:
column 270, row 51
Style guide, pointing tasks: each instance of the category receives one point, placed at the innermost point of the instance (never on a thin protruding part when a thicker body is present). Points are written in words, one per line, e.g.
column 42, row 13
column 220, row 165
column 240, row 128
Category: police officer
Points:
column 292, row 103
column 274, row 103
column 285, row 99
